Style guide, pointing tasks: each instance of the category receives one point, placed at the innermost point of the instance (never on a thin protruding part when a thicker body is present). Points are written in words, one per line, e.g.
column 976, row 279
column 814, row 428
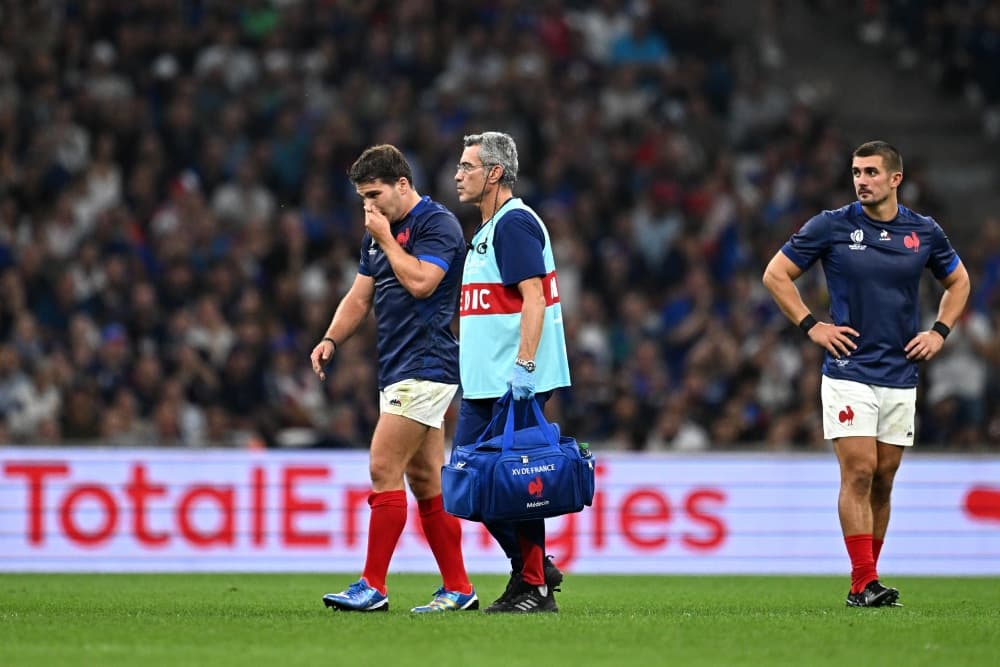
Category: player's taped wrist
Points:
column 807, row 323
column 941, row 328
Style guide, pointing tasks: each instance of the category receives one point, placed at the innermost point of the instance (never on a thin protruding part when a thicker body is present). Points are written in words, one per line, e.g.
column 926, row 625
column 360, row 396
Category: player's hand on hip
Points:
column 321, row 356
column 521, row 384
column 924, row 346
column 834, row 338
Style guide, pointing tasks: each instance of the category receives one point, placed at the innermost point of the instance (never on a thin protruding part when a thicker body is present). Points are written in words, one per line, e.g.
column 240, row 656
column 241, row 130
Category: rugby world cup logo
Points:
column 857, row 236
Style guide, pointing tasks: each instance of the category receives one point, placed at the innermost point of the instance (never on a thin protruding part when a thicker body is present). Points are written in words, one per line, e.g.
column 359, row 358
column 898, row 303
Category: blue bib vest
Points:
column 490, row 320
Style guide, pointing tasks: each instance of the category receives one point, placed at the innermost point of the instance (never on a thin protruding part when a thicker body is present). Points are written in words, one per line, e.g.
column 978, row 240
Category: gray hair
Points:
column 496, row 148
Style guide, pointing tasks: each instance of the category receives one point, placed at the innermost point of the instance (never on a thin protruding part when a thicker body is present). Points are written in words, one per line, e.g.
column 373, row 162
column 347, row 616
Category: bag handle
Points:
column 546, row 428
column 504, row 401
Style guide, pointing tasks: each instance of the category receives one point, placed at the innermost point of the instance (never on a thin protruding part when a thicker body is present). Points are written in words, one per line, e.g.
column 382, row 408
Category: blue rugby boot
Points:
column 449, row 601
column 359, row 596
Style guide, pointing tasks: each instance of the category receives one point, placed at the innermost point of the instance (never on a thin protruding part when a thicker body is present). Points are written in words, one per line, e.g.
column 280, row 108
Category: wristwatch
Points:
column 526, row 364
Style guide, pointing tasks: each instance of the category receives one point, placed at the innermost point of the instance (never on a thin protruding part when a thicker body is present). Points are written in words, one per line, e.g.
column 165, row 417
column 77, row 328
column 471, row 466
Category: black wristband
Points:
column 332, row 342
column 941, row 328
column 807, row 323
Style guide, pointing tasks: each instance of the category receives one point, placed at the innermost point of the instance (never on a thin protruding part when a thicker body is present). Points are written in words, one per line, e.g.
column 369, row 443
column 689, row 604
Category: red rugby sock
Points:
column 534, row 561
column 859, row 548
column 388, row 518
column 444, row 535
column 876, row 549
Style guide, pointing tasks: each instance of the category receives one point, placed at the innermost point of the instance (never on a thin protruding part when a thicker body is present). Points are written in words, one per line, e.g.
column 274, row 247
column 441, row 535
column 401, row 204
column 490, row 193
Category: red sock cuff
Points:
column 395, row 498
column 430, row 505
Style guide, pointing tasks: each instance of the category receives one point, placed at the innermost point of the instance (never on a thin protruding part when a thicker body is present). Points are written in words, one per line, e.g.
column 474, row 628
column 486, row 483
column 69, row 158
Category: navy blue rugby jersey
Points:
column 415, row 340
column 873, row 272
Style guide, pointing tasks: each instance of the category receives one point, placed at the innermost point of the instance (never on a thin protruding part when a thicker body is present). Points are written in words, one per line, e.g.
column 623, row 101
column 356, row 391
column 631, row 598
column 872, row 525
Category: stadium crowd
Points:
column 957, row 42
column 176, row 223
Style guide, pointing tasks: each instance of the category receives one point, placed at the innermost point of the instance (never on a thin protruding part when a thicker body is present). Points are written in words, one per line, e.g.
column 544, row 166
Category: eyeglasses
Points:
column 468, row 167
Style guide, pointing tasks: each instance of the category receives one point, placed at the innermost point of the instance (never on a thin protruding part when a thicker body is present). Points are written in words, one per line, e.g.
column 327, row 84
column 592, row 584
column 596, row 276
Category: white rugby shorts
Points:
column 857, row 409
column 420, row 400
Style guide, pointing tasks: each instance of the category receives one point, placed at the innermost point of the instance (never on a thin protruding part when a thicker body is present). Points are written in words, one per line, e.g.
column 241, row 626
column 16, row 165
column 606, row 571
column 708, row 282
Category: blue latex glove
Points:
column 521, row 383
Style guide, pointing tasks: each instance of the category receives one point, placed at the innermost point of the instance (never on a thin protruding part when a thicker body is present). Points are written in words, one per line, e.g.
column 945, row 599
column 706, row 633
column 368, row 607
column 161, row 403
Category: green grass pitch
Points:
column 279, row 620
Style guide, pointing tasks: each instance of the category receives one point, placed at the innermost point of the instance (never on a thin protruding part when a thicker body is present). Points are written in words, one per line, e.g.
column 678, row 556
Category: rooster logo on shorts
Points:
column 846, row 416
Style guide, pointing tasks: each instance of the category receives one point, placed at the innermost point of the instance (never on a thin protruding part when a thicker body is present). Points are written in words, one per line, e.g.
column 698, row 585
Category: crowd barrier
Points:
column 151, row 510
